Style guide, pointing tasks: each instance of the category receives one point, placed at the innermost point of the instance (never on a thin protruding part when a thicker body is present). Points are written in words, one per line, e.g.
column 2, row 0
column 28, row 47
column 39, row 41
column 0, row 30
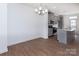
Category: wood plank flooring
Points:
column 43, row 47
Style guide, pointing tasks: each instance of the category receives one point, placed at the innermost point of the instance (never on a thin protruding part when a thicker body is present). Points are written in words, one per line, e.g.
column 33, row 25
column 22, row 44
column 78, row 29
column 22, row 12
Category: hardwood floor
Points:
column 42, row 47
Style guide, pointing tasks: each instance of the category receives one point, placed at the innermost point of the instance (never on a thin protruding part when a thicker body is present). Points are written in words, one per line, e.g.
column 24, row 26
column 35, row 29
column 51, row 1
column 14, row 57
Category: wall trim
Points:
column 24, row 40
column 3, row 51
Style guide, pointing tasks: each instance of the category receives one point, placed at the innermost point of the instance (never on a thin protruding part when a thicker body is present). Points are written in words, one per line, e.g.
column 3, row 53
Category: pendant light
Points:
column 40, row 10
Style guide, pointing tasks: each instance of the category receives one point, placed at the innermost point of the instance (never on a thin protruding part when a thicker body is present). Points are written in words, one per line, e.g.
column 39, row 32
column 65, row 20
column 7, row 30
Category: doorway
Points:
column 52, row 24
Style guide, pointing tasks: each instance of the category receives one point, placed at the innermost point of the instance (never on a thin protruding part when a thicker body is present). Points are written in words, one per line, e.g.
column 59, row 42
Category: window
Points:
column 73, row 22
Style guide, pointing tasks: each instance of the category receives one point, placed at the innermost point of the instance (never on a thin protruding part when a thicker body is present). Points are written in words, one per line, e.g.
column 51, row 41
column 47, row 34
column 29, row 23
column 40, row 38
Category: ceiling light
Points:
column 41, row 11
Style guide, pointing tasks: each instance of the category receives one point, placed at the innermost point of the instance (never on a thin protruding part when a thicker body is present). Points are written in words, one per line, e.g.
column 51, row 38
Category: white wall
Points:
column 44, row 26
column 24, row 24
column 66, row 21
column 3, row 28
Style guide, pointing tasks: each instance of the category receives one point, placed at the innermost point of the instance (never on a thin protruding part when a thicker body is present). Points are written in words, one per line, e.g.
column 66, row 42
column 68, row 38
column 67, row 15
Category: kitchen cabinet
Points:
column 65, row 36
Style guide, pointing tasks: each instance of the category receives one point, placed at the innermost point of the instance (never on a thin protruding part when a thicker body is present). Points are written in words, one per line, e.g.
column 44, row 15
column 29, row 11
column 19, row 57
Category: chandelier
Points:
column 41, row 11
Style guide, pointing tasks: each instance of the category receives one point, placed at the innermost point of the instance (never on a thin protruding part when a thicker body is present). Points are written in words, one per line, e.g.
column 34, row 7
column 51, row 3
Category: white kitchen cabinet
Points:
column 65, row 36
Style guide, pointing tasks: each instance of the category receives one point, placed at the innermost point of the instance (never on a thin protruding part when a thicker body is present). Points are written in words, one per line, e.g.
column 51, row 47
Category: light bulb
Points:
column 40, row 8
column 39, row 12
column 43, row 11
column 36, row 10
column 46, row 10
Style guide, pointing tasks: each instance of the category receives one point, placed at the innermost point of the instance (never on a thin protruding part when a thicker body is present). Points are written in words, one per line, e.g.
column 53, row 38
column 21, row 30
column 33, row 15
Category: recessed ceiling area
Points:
column 57, row 8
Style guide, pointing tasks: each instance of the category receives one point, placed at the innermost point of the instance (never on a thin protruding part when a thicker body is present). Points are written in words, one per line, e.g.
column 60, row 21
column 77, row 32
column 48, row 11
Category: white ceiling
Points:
column 58, row 8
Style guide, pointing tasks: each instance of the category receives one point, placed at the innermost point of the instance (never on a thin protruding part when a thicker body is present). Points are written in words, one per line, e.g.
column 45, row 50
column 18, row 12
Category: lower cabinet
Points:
column 65, row 36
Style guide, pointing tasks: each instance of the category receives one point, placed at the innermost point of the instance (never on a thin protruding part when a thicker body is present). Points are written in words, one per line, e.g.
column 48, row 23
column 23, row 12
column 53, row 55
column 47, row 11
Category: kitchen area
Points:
column 52, row 24
column 62, row 27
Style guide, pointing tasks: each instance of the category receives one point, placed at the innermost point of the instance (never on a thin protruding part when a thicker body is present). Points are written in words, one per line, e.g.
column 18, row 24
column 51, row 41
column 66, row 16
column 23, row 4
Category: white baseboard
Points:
column 3, row 51
column 45, row 37
column 24, row 40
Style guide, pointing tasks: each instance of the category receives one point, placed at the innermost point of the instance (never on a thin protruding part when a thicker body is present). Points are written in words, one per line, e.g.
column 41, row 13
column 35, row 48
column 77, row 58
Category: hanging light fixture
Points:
column 40, row 10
